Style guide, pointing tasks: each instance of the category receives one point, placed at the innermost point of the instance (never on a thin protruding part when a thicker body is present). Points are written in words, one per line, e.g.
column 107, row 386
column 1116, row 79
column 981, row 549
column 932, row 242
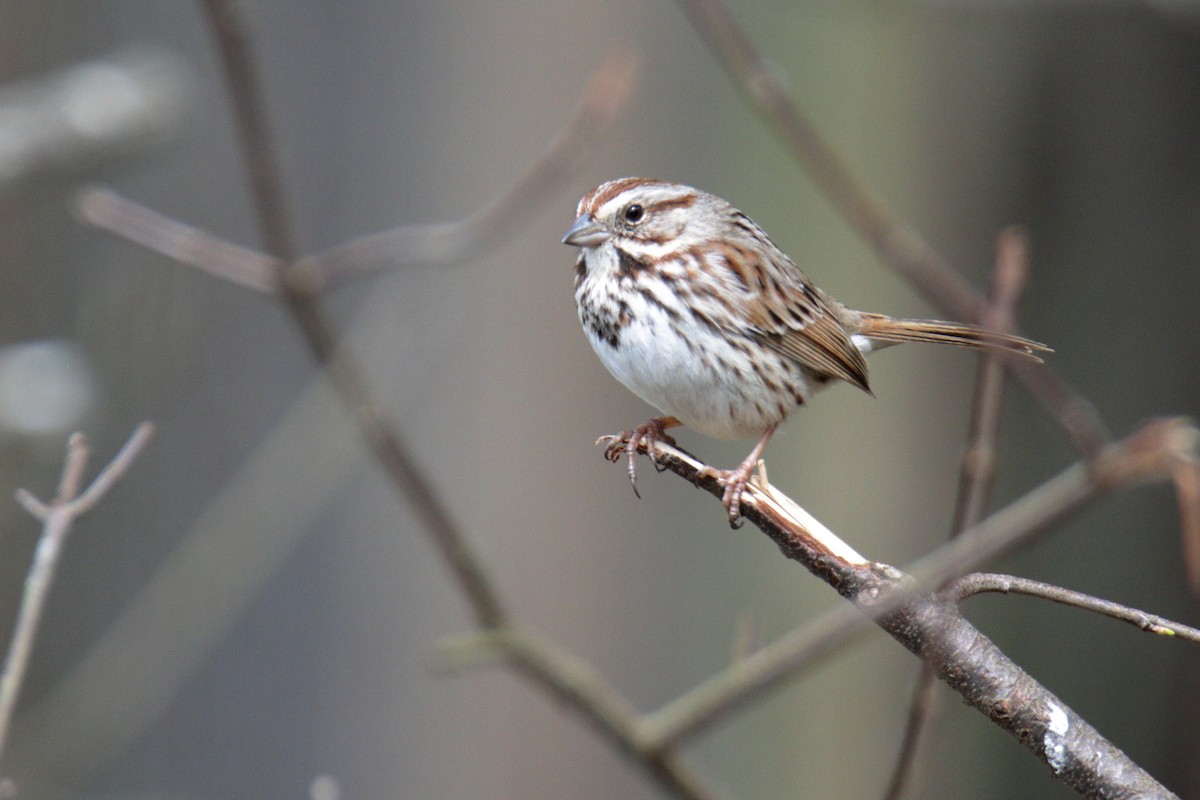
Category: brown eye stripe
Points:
column 605, row 192
column 683, row 201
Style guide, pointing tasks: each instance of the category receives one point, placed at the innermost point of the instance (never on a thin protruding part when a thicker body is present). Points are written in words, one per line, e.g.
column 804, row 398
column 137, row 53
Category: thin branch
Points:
column 978, row 583
column 57, row 518
column 1150, row 453
column 453, row 242
column 1187, row 494
column 977, row 473
column 898, row 246
column 582, row 689
column 753, row 677
column 74, row 464
column 299, row 289
column 260, row 153
column 410, row 245
column 105, row 209
column 932, row 628
column 606, row 93
column 115, row 469
column 33, row 506
column 390, row 451
column 921, row 706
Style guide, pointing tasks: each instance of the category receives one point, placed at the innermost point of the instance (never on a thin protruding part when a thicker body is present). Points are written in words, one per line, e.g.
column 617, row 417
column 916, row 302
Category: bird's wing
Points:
column 796, row 319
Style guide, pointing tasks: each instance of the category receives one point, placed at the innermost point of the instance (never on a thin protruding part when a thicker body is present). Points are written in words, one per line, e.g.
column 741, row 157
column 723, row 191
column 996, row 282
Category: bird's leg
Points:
column 627, row 443
column 735, row 479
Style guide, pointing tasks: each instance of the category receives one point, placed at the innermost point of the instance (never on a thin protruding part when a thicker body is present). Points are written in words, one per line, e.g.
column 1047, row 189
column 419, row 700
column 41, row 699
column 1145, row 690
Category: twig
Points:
column 1187, row 492
column 977, row 473
column 300, row 285
column 898, row 246
column 978, row 583
column 385, row 444
column 453, row 242
column 752, row 677
column 1150, row 453
column 259, row 153
column 57, row 518
column 579, row 686
column 105, row 209
column 932, row 628
column 921, row 706
column 408, row 245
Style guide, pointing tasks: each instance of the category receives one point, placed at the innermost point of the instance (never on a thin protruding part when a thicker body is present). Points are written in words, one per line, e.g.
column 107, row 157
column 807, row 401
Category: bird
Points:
column 692, row 307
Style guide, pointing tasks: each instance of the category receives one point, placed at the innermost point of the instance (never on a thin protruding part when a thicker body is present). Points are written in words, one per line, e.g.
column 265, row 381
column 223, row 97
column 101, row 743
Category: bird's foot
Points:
column 627, row 443
column 735, row 481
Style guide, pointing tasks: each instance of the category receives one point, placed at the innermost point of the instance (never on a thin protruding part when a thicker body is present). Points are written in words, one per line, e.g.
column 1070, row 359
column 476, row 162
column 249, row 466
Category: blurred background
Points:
column 253, row 614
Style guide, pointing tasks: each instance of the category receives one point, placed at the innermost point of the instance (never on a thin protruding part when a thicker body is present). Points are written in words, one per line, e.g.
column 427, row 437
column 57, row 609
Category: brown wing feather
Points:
column 824, row 347
column 785, row 311
column 795, row 318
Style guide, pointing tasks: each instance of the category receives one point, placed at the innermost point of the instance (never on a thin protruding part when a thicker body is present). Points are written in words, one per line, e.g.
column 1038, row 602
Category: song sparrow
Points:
column 691, row 306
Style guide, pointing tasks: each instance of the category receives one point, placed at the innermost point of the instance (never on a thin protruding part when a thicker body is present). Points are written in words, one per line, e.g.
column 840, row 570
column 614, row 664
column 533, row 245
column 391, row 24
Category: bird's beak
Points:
column 586, row 232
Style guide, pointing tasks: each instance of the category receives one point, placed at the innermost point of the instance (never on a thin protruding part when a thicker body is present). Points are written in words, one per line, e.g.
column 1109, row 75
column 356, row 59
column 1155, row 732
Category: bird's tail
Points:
column 887, row 329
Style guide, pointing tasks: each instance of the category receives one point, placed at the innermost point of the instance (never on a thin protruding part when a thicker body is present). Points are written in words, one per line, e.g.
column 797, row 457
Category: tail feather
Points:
column 887, row 329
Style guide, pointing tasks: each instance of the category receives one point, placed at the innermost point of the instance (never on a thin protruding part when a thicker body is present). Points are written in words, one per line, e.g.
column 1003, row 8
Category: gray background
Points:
column 296, row 638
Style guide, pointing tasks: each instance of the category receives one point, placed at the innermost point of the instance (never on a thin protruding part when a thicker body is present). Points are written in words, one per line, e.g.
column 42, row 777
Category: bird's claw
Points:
column 627, row 444
column 735, row 482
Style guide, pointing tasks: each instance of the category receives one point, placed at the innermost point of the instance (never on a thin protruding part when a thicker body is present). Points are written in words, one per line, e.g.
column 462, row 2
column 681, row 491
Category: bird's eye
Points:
column 633, row 213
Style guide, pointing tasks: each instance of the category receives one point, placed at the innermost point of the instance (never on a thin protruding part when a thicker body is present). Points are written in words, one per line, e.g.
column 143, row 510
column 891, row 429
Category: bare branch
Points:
column 753, row 677
column 440, row 243
column 260, row 155
column 920, row 712
column 452, row 242
column 114, row 471
column 74, row 464
column 57, row 518
column 385, row 444
column 33, row 506
column 898, row 246
column 1150, row 453
column 978, row 470
column 1187, row 493
column 581, row 688
column 978, row 583
column 105, row 209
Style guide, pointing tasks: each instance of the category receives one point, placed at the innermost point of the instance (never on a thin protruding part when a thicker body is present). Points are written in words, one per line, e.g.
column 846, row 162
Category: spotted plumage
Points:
column 689, row 304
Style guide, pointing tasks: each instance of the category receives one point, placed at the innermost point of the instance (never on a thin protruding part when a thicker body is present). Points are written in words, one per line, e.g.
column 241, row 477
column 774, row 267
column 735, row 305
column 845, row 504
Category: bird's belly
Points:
column 710, row 380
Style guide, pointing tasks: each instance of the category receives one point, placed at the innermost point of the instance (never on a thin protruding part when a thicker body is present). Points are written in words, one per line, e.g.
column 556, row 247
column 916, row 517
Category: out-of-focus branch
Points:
column 109, row 211
column 1152, row 453
column 105, row 209
column 897, row 245
column 979, row 582
column 408, row 245
column 582, row 689
column 57, row 518
column 300, row 284
column 88, row 112
column 451, row 242
column 1187, row 496
column 902, row 605
column 390, row 451
column 977, row 472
